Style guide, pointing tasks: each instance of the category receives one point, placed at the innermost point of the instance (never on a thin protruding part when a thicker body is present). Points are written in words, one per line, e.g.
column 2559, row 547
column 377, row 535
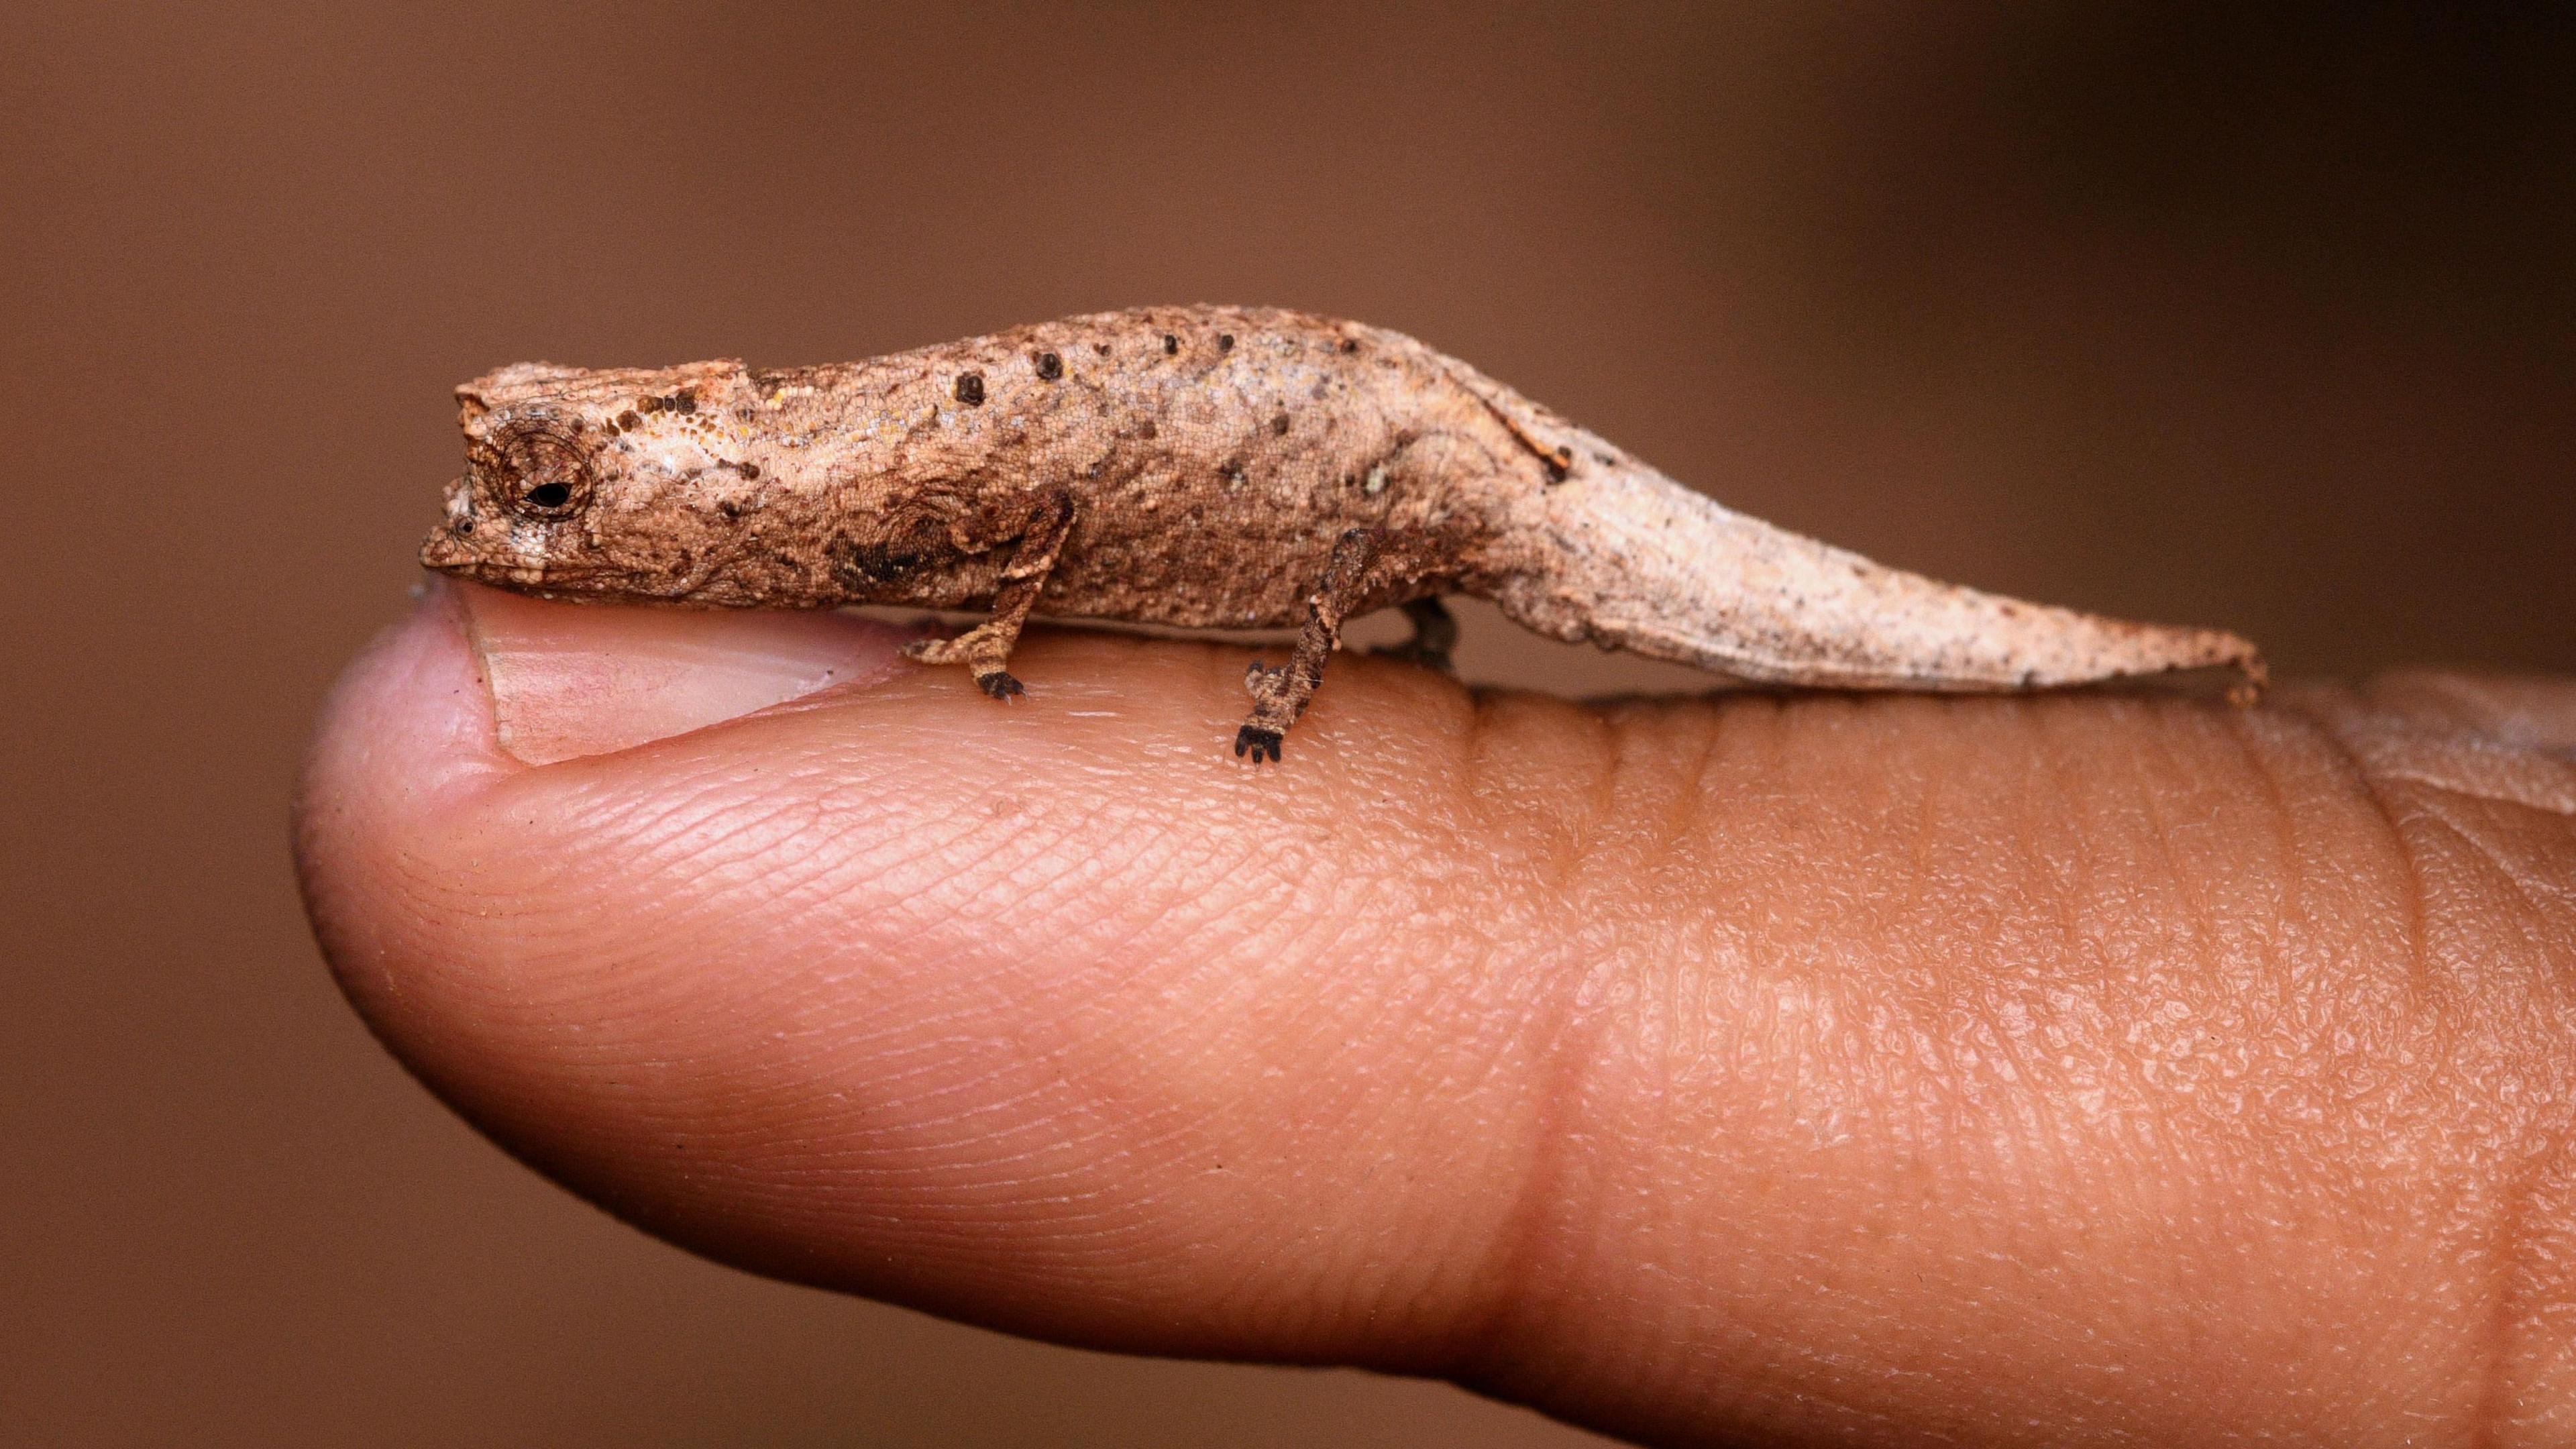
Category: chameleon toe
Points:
column 1437, row 660
column 999, row 684
column 1257, row 740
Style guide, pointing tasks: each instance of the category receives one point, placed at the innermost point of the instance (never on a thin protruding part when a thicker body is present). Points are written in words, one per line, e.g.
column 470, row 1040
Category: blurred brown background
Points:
column 2162, row 310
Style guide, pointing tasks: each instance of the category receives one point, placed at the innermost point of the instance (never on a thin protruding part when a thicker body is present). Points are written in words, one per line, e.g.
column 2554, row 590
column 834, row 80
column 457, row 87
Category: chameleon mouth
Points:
column 457, row 557
column 444, row 551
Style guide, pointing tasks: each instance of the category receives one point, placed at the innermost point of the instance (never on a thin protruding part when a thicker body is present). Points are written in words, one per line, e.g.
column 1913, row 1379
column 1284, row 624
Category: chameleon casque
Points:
column 1205, row 467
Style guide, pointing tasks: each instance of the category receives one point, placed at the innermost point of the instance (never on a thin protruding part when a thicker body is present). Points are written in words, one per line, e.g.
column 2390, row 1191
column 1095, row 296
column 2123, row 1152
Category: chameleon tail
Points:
column 1642, row 563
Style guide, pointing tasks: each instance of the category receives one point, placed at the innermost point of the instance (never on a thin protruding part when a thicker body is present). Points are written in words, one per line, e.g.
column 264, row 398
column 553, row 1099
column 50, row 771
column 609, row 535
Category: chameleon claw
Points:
column 1256, row 739
column 999, row 684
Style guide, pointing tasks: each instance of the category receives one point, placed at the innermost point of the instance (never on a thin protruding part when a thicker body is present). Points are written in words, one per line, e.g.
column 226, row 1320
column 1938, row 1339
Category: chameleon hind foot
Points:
column 1435, row 635
column 1280, row 695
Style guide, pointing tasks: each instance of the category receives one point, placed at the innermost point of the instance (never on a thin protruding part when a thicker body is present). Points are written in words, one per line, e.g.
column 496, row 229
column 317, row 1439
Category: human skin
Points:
column 2067, row 1069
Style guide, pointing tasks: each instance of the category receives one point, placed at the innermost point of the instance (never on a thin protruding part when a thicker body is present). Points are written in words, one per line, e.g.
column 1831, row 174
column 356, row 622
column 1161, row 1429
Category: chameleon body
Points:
column 1208, row 467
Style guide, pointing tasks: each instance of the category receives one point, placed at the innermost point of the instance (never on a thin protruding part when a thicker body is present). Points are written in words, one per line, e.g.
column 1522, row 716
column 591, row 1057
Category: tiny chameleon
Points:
column 1202, row 467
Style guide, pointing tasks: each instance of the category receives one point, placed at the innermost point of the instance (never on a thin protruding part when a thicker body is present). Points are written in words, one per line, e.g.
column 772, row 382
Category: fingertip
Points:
column 407, row 724
column 893, row 963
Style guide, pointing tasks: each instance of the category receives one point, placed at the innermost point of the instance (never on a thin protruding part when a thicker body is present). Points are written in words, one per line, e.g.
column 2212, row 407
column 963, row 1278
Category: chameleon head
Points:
column 548, row 502
column 515, row 516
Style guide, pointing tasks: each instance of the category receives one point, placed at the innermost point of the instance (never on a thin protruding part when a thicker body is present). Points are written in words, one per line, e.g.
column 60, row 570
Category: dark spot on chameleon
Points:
column 1171, row 344
column 748, row 470
column 1146, row 429
column 859, row 565
column 970, row 388
column 1350, row 344
column 1050, row 367
column 1607, row 460
column 729, row 508
column 1555, row 470
column 628, row 422
column 648, row 404
column 1279, row 424
column 684, row 401
column 1225, row 342
column 1101, row 347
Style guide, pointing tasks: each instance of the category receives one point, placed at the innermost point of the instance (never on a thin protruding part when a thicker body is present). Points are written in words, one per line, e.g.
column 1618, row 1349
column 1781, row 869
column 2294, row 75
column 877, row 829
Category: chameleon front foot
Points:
column 982, row 657
column 1262, row 733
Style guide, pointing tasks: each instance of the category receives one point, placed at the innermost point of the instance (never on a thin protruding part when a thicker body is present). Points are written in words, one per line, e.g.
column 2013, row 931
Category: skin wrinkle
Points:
column 2077, row 883
column 2372, row 792
column 2509, row 1239
column 2507, row 1255
column 2198, row 931
column 2243, row 929
column 2491, row 861
column 1550, row 834
column 1508, row 1340
column 2309, row 897
column 2257, row 763
column 1499, row 1329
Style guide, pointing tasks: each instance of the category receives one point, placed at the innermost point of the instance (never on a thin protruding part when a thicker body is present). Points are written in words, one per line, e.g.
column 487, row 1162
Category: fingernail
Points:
column 571, row 679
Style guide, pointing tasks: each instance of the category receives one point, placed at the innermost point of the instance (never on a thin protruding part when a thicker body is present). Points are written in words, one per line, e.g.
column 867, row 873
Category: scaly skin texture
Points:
column 1203, row 467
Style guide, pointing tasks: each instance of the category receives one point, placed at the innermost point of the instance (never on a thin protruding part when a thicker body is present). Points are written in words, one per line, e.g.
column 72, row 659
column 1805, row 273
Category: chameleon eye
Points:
column 545, row 473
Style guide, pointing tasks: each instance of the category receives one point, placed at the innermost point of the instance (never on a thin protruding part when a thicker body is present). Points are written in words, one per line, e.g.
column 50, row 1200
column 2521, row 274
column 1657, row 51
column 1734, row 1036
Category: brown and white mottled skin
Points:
column 1207, row 467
